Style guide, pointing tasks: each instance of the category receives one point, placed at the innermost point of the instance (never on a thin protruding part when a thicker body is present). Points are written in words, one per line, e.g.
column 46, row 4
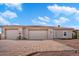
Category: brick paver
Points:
column 25, row 47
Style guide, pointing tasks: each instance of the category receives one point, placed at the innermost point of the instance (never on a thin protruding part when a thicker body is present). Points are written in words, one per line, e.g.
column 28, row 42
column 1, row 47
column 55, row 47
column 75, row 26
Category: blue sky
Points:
column 44, row 14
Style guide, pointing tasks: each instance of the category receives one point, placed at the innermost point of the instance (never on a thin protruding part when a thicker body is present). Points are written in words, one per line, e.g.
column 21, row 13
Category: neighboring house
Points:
column 36, row 32
column 74, row 35
column 77, row 34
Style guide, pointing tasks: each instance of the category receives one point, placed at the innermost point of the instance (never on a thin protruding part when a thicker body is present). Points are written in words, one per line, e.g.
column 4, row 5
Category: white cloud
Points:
column 35, row 22
column 5, row 16
column 64, row 14
column 16, row 24
column 61, row 20
column 17, row 6
column 3, row 21
column 75, row 27
column 45, row 18
column 62, row 10
column 9, row 14
column 41, row 20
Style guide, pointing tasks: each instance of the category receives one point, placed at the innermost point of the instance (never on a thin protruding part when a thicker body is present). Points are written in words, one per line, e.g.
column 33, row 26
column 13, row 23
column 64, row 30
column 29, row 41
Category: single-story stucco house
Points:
column 35, row 32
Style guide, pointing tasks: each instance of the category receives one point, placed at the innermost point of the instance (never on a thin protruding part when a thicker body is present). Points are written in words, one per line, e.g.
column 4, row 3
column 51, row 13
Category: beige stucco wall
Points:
column 26, row 33
column 50, row 33
column 60, row 33
column 20, row 30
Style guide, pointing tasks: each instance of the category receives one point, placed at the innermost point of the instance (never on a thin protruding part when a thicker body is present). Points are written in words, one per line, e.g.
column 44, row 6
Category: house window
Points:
column 65, row 33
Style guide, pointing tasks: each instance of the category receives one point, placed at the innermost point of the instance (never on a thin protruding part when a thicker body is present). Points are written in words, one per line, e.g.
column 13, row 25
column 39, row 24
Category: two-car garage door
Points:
column 38, row 34
column 12, row 34
column 32, row 34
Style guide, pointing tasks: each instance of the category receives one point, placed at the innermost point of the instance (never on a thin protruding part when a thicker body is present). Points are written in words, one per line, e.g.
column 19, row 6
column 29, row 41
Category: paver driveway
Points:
column 25, row 47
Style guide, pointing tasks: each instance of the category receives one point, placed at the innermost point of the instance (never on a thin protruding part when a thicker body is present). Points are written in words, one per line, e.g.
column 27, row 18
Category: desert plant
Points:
column 24, row 38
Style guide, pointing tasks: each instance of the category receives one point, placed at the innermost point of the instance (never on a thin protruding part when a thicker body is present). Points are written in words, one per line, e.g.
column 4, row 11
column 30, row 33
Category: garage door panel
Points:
column 38, row 34
column 11, row 34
